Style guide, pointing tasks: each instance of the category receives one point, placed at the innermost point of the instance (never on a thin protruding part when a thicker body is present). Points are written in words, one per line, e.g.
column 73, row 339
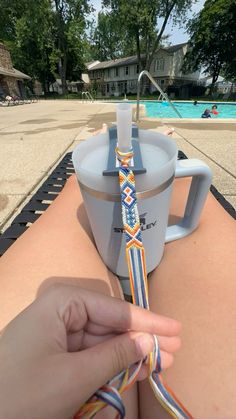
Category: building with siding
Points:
column 117, row 77
column 11, row 80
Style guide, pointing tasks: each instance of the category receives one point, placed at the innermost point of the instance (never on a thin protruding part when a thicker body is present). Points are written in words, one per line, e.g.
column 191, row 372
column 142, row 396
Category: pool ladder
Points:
column 88, row 96
column 164, row 95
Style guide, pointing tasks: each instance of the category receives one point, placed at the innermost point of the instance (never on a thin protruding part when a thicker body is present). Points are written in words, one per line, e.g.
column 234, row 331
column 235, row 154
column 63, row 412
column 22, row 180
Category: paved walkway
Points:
column 34, row 137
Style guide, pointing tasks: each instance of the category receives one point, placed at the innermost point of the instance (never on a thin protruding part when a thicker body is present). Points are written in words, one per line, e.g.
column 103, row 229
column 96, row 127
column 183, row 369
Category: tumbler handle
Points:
column 201, row 180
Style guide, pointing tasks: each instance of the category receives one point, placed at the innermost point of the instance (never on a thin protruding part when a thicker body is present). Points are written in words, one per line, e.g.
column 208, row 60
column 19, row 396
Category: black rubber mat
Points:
column 49, row 190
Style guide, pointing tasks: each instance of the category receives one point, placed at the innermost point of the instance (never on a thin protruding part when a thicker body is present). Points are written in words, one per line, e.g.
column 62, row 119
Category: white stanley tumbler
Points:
column 102, row 199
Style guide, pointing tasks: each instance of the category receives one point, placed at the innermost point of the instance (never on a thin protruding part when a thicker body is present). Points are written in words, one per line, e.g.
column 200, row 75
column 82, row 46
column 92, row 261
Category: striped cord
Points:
column 110, row 394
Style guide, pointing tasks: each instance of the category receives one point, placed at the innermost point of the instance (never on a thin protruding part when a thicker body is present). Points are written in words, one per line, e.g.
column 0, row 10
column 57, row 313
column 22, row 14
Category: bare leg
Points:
column 195, row 283
column 57, row 248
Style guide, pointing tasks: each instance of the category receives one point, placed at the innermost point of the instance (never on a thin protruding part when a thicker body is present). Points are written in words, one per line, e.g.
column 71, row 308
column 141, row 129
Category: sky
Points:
column 177, row 35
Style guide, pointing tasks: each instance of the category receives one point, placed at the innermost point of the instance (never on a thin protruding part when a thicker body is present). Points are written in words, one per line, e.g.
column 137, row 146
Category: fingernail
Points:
column 144, row 344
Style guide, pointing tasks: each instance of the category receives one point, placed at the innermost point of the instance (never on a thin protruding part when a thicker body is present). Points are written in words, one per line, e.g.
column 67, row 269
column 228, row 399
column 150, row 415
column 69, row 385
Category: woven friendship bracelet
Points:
column 110, row 394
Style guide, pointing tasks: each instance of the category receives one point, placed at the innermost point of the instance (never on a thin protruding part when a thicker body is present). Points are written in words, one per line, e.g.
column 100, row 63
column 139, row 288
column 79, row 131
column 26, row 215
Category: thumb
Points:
column 93, row 367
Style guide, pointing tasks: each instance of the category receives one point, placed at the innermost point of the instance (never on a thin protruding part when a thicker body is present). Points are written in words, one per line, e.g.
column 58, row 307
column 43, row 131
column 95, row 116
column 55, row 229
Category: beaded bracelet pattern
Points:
column 110, row 394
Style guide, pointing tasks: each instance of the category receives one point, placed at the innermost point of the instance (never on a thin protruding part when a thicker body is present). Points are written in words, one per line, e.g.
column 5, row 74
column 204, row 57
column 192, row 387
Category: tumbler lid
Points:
column 159, row 154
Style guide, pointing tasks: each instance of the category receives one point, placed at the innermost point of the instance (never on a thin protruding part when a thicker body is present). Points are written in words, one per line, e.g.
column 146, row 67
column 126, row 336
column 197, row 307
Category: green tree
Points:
column 213, row 40
column 70, row 24
column 46, row 37
column 139, row 20
column 105, row 38
column 108, row 41
column 33, row 48
column 10, row 12
column 26, row 28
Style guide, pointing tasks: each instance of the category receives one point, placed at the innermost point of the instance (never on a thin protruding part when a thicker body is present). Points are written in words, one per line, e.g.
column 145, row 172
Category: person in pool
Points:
column 195, row 102
column 206, row 114
column 214, row 110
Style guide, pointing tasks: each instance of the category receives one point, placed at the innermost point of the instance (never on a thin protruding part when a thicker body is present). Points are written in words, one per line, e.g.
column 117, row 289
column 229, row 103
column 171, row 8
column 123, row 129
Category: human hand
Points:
column 67, row 344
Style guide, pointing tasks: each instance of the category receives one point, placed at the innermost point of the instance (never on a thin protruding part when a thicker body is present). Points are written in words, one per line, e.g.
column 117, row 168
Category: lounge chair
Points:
column 49, row 190
column 5, row 101
column 195, row 283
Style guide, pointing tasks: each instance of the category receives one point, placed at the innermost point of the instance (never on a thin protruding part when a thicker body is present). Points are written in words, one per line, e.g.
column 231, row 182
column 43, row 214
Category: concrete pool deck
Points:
column 34, row 137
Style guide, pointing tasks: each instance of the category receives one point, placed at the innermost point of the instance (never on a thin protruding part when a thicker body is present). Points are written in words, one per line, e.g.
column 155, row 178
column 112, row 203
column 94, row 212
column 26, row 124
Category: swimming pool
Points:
column 157, row 109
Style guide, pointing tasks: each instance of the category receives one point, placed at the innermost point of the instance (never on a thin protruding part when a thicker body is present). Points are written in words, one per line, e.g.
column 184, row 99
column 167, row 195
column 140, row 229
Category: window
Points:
column 137, row 69
column 108, row 88
column 126, row 70
column 162, row 82
column 117, row 71
column 160, row 64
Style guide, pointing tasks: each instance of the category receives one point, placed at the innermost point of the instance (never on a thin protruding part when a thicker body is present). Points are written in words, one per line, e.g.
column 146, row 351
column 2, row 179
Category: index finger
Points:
column 117, row 315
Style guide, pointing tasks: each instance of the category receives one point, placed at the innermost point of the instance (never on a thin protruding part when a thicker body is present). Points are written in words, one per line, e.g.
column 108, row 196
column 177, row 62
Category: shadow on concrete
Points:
column 37, row 121
column 94, row 123
column 97, row 120
column 47, row 129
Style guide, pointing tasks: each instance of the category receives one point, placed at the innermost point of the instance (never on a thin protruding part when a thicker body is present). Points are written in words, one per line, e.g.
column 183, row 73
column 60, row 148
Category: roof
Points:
column 117, row 62
column 132, row 59
column 174, row 48
column 14, row 73
column 92, row 64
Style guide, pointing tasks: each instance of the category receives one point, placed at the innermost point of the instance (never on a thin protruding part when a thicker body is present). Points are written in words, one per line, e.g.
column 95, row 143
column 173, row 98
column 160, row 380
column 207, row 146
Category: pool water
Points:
column 156, row 109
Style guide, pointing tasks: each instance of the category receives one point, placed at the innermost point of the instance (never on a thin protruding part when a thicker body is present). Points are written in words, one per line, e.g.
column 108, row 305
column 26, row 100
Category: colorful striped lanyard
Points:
column 110, row 394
